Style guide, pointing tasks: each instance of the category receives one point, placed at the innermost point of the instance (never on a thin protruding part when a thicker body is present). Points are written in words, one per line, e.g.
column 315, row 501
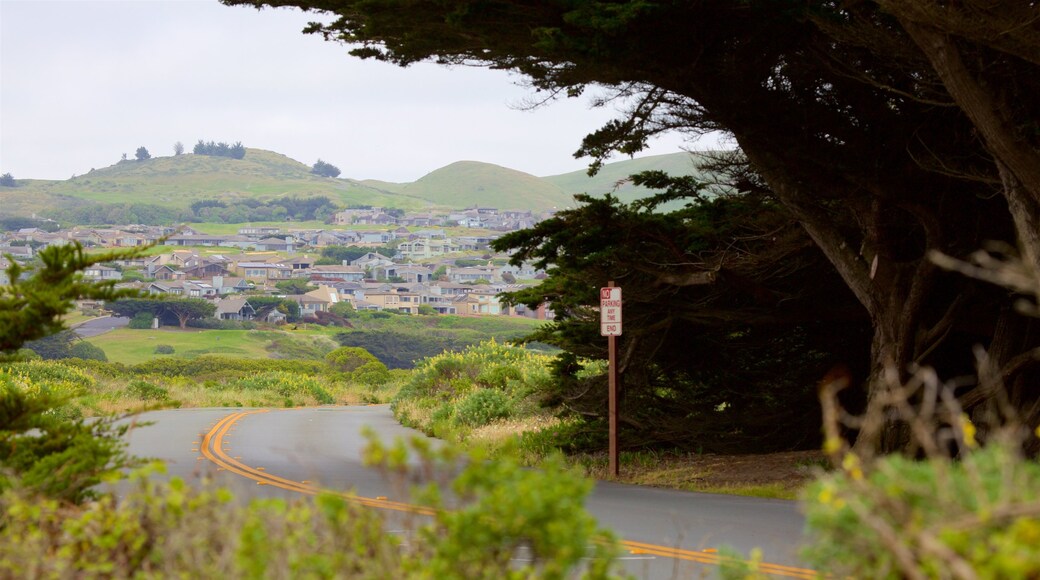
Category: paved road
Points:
column 96, row 326
column 668, row 534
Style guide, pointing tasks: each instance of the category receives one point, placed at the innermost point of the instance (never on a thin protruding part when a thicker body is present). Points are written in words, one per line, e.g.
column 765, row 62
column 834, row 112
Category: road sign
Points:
column 610, row 311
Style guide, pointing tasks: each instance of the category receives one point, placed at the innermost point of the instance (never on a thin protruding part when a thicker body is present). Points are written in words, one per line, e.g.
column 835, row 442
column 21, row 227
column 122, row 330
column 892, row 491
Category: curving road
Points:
column 96, row 326
column 287, row 452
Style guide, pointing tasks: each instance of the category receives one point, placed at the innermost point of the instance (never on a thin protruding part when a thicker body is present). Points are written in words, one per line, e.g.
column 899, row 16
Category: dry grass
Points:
column 774, row 475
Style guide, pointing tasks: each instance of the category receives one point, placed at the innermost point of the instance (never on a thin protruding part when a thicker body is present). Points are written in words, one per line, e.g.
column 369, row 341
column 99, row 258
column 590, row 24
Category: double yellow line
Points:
column 213, row 449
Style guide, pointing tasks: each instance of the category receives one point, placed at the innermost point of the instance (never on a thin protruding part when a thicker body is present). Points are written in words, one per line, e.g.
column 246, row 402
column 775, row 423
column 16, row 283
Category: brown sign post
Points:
column 610, row 327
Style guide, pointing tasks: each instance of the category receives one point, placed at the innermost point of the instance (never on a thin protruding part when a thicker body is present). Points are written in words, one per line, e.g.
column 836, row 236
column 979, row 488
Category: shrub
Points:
column 163, row 528
column 146, row 391
column 163, row 349
column 371, row 373
column 87, row 351
column 347, row 359
column 211, row 323
column 975, row 515
column 288, row 385
column 482, row 407
column 141, row 321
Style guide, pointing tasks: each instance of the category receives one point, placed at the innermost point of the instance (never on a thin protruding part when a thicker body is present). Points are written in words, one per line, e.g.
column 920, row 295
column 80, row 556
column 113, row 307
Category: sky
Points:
column 84, row 81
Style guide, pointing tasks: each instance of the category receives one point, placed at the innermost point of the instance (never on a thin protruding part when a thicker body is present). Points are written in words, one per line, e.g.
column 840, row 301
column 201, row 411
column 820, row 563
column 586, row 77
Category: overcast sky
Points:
column 84, row 81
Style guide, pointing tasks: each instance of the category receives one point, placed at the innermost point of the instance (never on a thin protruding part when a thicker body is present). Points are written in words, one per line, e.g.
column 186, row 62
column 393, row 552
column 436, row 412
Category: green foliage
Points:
column 53, row 347
column 214, row 365
column 142, row 154
column 30, row 308
column 454, row 392
column 264, row 305
column 294, row 286
column 146, row 391
column 167, row 528
column 163, row 349
column 347, row 359
column 482, row 407
column 934, row 513
column 426, row 310
column 222, row 149
column 170, row 529
column 46, row 451
column 141, row 321
column 325, row 169
column 87, row 351
column 344, row 309
column 288, row 385
column 506, row 511
column 7, row 180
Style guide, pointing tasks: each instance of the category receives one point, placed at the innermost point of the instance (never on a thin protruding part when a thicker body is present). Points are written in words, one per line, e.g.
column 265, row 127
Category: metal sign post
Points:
column 610, row 326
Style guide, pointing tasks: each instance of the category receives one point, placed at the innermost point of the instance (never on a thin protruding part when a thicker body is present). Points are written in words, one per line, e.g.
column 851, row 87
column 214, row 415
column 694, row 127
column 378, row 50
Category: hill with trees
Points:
column 163, row 189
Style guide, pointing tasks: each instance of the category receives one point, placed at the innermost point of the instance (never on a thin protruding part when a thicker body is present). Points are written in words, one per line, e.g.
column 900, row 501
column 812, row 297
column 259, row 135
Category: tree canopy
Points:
column 889, row 130
column 325, row 169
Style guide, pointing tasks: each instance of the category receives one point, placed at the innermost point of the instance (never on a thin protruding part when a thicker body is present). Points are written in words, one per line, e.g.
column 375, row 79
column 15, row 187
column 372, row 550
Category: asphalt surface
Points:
column 96, row 326
column 667, row 534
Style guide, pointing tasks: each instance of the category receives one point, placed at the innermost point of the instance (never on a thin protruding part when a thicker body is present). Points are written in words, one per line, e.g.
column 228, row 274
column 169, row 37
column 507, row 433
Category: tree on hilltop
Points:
column 178, row 148
column 325, row 169
column 142, row 154
column 7, row 180
column 222, row 149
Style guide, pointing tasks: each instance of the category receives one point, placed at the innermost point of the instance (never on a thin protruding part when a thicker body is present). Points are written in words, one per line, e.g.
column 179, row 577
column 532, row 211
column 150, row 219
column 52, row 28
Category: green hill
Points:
column 468, row 183
column 175, row 182
column 612, row 177
column 180, row 180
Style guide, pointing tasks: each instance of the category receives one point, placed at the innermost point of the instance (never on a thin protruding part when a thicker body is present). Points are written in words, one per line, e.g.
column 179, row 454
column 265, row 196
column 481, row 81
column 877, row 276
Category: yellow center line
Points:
column 212, row 449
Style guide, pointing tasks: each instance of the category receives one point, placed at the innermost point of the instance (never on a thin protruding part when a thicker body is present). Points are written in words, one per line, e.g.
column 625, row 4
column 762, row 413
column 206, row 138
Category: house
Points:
column 343, row 273
column 263, row 271
column 460, row 275
column 384, row 299
column 199, row 289
column 453, row 289
column 234, row 309
column 164, row 272
column 206, row 269
column 260, row 231
column 371, row 259
column 103, row 273
column 426, row 248
column 20, row 253
column 275, row 245
column 478, row 304
column 230, row 285
column 375, row 238
column 309, row 305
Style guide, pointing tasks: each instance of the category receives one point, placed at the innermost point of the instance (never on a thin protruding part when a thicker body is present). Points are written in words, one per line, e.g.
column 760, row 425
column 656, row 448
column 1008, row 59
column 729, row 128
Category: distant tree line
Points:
column 248, row 210
column 120, row 213
column 7, row 180
column 15, row 223
column 222, row 149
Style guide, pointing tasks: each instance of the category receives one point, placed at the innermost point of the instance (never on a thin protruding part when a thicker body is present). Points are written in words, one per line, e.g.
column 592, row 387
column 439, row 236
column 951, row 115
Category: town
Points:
column 421, row 263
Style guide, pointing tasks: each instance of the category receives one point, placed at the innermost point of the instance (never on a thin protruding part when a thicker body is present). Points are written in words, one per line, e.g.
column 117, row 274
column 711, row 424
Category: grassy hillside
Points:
column 468, row 183
column 178, row 181
column 609, row 176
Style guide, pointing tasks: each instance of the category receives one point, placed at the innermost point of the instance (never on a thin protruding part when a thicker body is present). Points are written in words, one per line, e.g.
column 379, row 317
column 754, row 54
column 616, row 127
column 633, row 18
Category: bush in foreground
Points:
column 168, row 529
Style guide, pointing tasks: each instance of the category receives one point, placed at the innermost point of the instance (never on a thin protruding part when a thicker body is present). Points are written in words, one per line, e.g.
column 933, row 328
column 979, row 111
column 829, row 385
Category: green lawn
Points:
column 134, row 346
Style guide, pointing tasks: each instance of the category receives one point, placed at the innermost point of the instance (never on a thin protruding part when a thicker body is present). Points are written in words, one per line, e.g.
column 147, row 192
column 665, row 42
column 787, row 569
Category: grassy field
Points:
column 135, row 346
